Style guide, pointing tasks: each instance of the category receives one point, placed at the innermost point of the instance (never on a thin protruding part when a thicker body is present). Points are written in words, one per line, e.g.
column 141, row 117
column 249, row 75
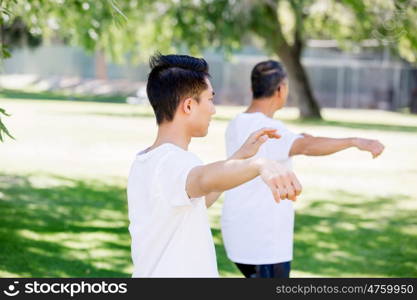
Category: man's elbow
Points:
column 196, row 185
column 307, row 151
column 206, row 186
column 302, row 149
column 307, row 147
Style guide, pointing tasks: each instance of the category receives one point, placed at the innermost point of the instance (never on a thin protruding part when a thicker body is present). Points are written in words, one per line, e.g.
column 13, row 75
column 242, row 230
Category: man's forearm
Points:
column 317, row 146
column 314, row 146
column 221, row 176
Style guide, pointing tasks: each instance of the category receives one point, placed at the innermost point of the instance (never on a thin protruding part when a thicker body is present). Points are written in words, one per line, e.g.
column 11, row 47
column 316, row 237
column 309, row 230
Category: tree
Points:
column 26, row 22
column 4, row 53
column 281, row 26
column 284, row 26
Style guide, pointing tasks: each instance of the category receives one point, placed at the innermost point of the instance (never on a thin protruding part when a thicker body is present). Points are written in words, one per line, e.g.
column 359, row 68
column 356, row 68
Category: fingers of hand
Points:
column 273, row 135
column 275, row 191
column 289, row 187
column 283, row 193
column 375, row 153
column 283, row 189
column 381, row 148
column 296, row 184
column 377, row 149
column 270, row 132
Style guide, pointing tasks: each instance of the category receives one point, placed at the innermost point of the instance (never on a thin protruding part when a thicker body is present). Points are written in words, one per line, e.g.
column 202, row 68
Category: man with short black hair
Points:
column 169, row 188
column 258, row 234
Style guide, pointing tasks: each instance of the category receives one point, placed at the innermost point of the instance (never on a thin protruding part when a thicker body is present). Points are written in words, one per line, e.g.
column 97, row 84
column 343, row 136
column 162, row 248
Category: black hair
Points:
column 172, row 79
column 266, row 77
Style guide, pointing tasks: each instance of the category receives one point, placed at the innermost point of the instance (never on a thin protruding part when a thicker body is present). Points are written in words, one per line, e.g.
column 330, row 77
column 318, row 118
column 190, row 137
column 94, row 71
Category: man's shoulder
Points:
column 167, row 160
column 259, row 118
column 163, row 152
column 176, row 156
column 278, row 123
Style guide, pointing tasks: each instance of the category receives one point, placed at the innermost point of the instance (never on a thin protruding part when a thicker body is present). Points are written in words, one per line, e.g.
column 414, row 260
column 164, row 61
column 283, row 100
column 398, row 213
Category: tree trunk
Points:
column 413, row 102
column 300, row 88
column 100, row 65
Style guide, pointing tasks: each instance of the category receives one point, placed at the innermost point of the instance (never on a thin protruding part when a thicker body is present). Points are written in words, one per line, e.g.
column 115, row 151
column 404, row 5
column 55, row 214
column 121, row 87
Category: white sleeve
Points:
column 172, row 176
column 279, row 149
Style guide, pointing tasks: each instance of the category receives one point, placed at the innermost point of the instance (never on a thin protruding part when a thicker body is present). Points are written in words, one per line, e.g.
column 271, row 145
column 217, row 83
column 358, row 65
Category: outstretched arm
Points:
column 212, row 179
column 227, row 174
column 316, row 146
column 247, row 150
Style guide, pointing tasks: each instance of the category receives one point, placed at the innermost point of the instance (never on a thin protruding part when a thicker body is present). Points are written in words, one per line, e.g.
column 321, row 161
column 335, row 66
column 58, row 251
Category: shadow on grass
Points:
column 80, row 229
column 56, row 231
column 358, row 236
column 15, row 94
column 75, row 229
column 349, row 235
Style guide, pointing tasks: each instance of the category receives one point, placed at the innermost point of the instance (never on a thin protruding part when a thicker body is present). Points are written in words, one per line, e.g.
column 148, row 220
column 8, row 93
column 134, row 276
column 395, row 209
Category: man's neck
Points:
column 169, row 132
column 262, row 105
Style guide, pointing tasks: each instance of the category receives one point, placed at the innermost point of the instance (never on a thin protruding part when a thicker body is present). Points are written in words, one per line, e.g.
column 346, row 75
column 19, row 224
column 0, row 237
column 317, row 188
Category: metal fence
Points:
column 345, row 83
column 338, row 80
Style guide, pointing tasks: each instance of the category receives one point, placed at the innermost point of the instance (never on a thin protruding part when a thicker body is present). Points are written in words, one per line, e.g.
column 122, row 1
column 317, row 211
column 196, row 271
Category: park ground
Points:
column 63, row 191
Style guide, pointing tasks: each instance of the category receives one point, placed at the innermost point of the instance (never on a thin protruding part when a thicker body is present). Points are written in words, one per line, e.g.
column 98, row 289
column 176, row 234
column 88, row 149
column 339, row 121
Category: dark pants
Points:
column 280, row 270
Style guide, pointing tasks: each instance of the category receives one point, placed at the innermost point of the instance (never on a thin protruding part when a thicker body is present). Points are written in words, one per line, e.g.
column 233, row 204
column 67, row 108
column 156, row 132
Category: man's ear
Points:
column 280, row 90
column 186, row 105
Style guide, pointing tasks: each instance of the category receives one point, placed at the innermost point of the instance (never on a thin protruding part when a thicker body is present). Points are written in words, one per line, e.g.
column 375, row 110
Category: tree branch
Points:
column 298, row 44
column 277, row 36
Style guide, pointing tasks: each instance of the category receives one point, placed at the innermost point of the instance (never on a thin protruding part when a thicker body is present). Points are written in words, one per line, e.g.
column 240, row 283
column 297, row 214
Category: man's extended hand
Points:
column 282, row 182
column 254, row 141
column 372, row 146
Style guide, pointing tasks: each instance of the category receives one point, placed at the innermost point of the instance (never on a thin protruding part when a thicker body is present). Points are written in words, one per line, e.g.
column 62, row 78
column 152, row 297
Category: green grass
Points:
column 48, row 95
column 68, row 228
column 63, row 198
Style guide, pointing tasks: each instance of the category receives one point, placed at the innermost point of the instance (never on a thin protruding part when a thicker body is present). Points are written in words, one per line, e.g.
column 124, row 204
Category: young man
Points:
column 258, row 234
column 169, row 187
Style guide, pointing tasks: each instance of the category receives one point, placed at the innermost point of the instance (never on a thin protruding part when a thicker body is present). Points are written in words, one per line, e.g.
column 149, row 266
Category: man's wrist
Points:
column 354, row 142
column 236, row 155
column 258, row 163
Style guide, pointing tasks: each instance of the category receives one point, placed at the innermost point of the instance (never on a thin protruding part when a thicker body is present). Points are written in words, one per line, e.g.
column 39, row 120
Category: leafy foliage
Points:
column 139, row 28
column 3, row 129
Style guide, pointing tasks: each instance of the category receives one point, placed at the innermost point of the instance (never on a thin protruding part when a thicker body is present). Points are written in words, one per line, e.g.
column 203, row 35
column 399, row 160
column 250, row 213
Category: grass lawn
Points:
column 63, row 200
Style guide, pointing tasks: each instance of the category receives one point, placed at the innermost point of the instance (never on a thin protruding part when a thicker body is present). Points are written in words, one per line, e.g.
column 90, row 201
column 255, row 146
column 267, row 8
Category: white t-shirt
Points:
column 170, row 232
column 256, row 230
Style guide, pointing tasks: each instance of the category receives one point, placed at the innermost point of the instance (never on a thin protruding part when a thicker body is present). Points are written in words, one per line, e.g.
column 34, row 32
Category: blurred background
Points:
column 74, row 111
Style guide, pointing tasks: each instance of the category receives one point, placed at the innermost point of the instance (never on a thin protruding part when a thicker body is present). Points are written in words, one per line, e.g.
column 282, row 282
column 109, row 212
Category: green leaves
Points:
column 4, row 52
column 139, row 27
column 3, row 129
column 119, row 16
